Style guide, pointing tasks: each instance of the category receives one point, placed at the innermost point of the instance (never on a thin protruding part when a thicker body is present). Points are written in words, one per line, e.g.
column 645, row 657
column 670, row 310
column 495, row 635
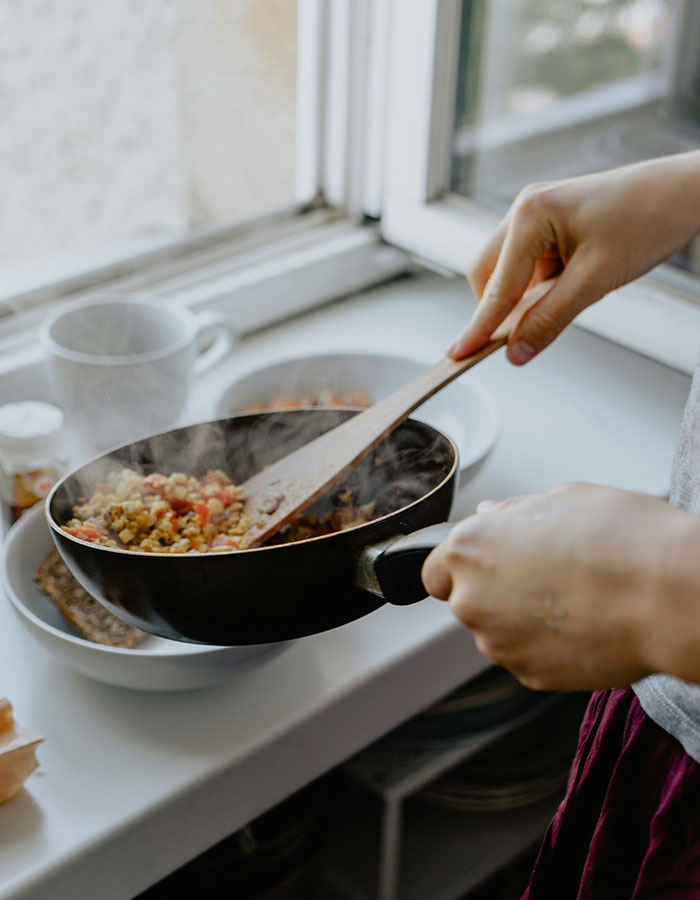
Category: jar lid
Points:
column 29, row 427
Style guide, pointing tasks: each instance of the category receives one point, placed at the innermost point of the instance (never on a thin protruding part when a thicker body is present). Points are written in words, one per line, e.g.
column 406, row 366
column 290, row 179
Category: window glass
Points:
column 553, row 88
column 120, row 117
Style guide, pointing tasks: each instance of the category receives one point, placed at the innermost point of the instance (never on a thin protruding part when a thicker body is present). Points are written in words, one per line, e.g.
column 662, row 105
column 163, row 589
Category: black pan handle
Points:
column 392, row 568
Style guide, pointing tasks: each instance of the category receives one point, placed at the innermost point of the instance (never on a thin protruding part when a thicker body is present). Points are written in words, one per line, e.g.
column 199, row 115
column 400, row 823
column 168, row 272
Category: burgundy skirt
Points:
column 629, row 825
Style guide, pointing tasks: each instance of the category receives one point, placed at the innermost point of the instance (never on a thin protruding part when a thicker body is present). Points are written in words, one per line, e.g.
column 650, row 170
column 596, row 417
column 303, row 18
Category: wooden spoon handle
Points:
column 276, row 494
column 310, row 471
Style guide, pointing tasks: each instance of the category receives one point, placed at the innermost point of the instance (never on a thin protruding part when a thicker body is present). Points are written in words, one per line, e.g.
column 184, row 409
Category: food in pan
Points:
column 320, row 398
column 309, row 525
column 82, row 612
column 162, row 514
column 182, row 514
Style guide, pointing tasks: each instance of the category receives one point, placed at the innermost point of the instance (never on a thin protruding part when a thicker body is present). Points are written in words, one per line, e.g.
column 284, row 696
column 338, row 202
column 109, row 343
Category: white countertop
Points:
column 133, row 784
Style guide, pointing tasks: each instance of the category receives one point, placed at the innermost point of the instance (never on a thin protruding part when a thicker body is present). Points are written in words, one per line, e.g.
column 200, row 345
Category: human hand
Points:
column 593, row 233
column 583, row 587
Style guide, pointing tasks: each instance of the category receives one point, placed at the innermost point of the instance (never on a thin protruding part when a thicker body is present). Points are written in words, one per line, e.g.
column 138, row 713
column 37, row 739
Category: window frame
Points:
column 658, row 315
column 262, row 268
column 61, row 273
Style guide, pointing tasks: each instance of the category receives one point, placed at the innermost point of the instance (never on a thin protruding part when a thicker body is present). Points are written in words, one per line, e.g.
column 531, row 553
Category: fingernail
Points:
column 451, row 349
column 521, row 352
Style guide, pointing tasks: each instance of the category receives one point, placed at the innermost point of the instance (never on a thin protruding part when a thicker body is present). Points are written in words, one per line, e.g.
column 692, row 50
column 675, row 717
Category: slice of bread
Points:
column 88, row 617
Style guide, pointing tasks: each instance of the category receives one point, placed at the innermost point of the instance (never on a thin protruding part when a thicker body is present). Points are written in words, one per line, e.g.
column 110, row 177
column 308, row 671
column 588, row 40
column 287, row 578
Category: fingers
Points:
column 441, row 567
column 517, row 247
column 435, row 574
column 479, row 274
column 578, row 286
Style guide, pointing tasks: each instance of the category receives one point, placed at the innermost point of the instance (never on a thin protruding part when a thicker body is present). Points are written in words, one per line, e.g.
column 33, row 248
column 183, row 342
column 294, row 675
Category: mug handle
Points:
column 209, row 321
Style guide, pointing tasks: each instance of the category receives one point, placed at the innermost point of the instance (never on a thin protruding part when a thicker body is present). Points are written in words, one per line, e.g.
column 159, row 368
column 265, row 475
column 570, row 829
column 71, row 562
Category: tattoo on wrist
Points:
column 550, row 614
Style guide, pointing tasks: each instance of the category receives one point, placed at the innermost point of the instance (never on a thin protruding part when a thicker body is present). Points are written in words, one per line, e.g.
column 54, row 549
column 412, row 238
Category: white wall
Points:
column 123, row 115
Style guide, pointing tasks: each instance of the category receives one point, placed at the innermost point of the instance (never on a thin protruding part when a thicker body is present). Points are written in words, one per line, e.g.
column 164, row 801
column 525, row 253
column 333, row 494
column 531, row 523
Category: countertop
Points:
column 133, row 784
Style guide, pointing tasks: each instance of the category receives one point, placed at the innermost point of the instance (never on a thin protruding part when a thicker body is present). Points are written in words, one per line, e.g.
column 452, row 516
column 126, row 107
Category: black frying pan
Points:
column 278, row 592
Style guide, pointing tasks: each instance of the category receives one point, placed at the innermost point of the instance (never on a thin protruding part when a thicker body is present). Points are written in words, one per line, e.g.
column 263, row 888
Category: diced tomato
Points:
column 181, row 504
column 170, row 515
column 222, row 540
column 226, row 497
column 84, row 532
column 202, row 510
column 154, row 483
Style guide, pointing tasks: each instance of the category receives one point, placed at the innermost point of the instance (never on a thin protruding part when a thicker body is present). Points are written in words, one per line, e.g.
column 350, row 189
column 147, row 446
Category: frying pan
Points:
column 281, row 591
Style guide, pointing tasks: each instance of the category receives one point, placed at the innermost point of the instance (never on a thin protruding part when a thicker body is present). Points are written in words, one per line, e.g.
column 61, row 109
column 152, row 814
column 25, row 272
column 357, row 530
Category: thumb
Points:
column 578, row 287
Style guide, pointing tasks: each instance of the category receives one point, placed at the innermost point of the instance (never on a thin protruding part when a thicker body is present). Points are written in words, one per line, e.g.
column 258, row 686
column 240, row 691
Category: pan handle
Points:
column 392, row 568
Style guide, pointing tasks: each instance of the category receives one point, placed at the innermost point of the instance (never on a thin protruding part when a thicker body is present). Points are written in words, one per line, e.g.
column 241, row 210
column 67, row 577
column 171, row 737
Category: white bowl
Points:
column 462, row 410
column 155, row 664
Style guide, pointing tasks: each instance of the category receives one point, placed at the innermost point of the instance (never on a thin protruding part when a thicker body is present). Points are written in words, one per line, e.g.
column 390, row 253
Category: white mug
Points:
column 121, row 366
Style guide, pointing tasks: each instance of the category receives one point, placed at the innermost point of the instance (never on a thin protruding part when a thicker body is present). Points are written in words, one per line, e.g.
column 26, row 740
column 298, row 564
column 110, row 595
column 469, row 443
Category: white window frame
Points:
column 263, row 268
column 658, row 315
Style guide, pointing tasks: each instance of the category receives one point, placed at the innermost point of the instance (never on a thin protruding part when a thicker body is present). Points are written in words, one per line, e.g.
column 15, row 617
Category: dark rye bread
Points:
column 91, row 620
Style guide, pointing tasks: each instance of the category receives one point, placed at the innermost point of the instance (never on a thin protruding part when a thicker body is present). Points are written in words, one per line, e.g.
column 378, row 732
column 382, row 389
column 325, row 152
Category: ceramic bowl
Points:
column 154, row 664
column 463, row 410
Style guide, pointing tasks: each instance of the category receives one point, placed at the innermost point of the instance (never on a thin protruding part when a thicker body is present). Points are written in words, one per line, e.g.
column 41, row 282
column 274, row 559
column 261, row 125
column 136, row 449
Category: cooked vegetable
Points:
column 162, row 514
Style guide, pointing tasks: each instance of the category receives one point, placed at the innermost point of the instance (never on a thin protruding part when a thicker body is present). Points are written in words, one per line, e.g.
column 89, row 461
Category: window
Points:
column 223, row 153
column 122, row 118
column 532, row 90
column 550, row 89
column 200, row 152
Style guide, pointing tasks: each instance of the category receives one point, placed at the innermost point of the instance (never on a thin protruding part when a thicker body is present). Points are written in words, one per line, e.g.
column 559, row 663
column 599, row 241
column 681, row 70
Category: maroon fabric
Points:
column 629, row 825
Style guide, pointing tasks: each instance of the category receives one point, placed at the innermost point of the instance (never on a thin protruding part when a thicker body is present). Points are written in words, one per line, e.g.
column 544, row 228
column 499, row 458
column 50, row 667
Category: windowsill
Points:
column 119, row 769
column 302, row 265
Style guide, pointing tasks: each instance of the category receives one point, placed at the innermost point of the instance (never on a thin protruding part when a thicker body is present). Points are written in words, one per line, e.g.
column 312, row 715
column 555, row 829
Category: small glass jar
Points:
column 31, row 456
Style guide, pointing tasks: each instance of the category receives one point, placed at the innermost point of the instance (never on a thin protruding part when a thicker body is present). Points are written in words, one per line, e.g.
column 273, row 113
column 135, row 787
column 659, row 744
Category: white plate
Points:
column 155, row 664
column 462, row 410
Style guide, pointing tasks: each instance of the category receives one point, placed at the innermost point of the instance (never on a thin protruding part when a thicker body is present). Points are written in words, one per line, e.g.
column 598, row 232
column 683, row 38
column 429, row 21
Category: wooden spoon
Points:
column 283, row 489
